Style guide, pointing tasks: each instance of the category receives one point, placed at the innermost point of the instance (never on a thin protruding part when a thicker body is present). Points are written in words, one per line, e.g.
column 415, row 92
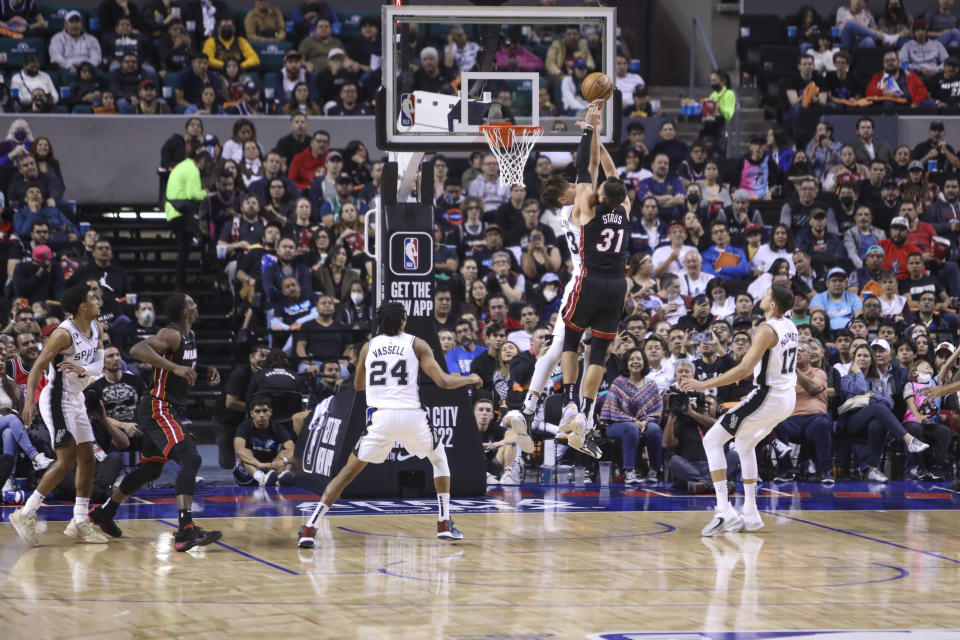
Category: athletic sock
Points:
column 530, row 403
column 109, row 508
column 33, row 503
column 443, row 507
column 586, row 407
column 723, row 503
column 318, row 513
column 80, row 508
column 569, row 393
column 186, row 518
column 749, row 497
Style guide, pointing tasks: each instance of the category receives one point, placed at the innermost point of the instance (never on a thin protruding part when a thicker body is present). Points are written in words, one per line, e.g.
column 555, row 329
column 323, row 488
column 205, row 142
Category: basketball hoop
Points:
column 511, row 144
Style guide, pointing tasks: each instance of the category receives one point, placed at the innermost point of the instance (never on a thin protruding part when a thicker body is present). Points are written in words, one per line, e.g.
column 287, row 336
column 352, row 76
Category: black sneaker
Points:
column 787, row 475
column 107, row 524
column 194, row 536
column 826, row 478
column 590, row 448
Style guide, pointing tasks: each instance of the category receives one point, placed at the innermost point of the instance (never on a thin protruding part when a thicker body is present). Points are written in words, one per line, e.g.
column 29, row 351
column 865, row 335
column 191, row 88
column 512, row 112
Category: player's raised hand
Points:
column 187, row 373
column 595, row 113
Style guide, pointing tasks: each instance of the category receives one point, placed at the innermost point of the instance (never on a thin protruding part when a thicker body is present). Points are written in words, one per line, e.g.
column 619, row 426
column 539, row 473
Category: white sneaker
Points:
column 511, row 477
column 890, row 39
column 752, row 521
column 632, row 478
column 577, row 430
column 41, row 462
column 569, row 413
column 875, row 475
column 916, row 446
column 26, row 526
column 515, row 420
column 729, row 521
column 8, row 486
column 492, row 479
column 84, row 532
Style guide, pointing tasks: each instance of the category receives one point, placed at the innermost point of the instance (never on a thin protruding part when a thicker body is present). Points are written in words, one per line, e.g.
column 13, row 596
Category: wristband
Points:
column 285, row 461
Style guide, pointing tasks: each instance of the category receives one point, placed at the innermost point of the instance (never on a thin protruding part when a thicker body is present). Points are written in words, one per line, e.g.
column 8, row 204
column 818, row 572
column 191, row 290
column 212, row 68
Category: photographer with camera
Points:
column 686, row 419
column 632, row 410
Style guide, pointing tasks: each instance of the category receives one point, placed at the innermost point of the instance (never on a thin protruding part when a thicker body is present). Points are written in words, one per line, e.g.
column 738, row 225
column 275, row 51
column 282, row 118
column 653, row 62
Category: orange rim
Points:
column 506, row 132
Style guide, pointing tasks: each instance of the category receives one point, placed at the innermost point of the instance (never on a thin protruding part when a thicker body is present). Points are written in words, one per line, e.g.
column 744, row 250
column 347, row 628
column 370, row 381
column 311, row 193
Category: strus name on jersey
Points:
column 388, row 350
column 788, row 338
column 612, row 218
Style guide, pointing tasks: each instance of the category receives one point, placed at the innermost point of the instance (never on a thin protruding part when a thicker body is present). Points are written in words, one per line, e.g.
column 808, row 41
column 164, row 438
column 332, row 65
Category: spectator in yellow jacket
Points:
column 226, row 45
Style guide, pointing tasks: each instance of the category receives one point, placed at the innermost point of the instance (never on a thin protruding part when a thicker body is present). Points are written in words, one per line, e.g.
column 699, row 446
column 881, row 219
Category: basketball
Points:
column 597, row 86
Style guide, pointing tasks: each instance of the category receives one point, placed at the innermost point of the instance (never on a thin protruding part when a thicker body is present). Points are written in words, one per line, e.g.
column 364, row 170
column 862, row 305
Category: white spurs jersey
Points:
column 572, row 233
column 83, row 352
column 777, row 368
column 392, row 370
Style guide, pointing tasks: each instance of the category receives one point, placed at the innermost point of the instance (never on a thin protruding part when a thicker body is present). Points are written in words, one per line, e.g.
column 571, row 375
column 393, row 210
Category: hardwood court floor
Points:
column 517, row 575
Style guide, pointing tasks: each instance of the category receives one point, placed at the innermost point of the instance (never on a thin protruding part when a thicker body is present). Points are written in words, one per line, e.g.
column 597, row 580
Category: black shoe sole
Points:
column 112, row 531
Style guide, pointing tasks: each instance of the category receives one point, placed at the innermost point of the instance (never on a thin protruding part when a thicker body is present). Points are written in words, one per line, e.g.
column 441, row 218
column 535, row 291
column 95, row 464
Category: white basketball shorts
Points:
column 65, row 415
column 409, row 427
column 756, row 415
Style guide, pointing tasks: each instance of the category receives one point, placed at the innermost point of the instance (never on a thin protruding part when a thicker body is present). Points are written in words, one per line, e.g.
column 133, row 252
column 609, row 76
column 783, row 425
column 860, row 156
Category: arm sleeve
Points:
column 96, row 367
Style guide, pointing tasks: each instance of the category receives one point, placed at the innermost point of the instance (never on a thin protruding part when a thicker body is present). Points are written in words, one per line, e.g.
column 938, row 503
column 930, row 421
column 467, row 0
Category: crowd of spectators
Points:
column 864, row 233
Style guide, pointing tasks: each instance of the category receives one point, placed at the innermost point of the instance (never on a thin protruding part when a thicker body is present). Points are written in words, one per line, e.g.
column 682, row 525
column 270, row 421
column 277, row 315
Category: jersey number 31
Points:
column 607, row 240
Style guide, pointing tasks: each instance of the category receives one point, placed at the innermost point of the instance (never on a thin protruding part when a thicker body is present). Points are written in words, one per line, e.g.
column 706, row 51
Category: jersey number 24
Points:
column 378, row 373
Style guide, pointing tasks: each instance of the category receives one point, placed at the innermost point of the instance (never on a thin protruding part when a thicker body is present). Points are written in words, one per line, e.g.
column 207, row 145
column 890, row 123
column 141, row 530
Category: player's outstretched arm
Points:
column 765, row 338
column 360, row 375
column 940, row 391
column 149, row 351
column 430, row 367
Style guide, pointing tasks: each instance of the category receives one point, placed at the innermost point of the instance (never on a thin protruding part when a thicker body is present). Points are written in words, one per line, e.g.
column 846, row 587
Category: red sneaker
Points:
column 446, row 530
column 307, row 537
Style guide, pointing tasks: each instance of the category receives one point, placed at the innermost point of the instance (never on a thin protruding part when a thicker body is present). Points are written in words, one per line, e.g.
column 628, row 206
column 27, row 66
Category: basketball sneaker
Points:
column 446, row 530
column 194, row 536
column 41, row 462
column 521, row 425
column 107, row 524
column 511, row 477
column 269, row 479
column 26, row 526
column 285, row 478
column 585, row 443
column 9, row 486
column 729, row 520
column 84, row 532
column 916, row 446
column 308, row 537
column 631, row 477
column 752, row 521
column 570, row 413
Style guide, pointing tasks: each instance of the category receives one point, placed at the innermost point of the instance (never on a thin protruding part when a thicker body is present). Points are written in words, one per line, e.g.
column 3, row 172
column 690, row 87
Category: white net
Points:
column 511, row 145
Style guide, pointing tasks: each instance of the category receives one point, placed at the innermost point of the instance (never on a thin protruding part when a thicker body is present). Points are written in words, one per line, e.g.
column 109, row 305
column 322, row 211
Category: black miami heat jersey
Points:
column 604, row 242
column 169, row 387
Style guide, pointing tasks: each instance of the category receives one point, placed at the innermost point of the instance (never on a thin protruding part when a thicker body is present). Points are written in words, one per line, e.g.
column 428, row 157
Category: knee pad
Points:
column 571, row 339
column 438, row 458
column 598, row 350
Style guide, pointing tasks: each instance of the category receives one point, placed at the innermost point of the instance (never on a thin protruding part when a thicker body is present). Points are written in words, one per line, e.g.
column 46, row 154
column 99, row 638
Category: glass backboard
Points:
column 449, row 70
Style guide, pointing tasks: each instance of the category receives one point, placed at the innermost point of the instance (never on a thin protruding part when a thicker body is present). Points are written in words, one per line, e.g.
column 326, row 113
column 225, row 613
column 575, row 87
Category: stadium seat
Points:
column 756, row 30
column 350, row 23
column 13, row 52
column 867, row 61
column 778, row 59
column 271, row 54
column 54, row 15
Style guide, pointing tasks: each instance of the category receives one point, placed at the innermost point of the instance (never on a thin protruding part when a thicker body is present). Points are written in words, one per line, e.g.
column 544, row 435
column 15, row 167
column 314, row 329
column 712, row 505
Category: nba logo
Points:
column 407, row 116
column 411, row 254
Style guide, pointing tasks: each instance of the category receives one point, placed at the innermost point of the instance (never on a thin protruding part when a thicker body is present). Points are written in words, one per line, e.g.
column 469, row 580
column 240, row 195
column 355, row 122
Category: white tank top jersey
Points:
column 778, row 367
column 392, row 370
column 83, row 352
column 572, row 233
